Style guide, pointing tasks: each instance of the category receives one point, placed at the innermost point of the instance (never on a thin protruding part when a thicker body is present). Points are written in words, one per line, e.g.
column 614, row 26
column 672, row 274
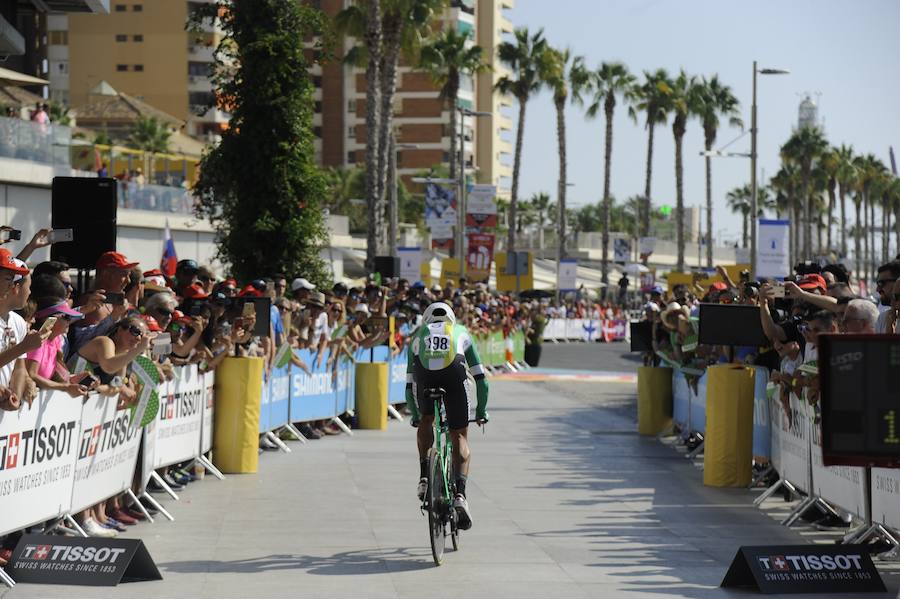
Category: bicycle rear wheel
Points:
column 436, row 507
column 454, row 521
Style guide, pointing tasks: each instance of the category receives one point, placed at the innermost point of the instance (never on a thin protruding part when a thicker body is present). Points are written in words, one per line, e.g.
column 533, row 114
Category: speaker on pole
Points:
column 88, row 207
column 388, row 266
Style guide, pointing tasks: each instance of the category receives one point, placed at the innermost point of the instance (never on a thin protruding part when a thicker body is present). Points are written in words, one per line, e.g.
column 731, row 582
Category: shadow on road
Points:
column 345, row 563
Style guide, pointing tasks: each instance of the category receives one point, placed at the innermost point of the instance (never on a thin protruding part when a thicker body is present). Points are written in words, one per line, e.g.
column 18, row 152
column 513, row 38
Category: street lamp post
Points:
column 753, row 157
column 461, row 197
column 561, row 235
column 393, row 208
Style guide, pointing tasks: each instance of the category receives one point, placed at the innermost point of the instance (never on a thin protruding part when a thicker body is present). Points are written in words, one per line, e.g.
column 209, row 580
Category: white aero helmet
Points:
column 439, row 312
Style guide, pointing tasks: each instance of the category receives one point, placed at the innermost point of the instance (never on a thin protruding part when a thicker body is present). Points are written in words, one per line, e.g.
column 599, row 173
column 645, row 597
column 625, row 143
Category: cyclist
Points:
column 438, row 355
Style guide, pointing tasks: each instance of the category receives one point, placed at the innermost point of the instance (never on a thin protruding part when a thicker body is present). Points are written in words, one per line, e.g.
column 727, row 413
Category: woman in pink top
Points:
column 45, row 364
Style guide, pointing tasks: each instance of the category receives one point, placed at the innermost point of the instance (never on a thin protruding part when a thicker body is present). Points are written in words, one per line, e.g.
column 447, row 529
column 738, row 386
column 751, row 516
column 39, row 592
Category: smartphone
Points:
column 10, row 235
column 115, row 299
column 248, row 310
column 59, row 235
column 196, row 310
column 48, row 325
column 161, row 345
column 778, row 290
column 88, row 380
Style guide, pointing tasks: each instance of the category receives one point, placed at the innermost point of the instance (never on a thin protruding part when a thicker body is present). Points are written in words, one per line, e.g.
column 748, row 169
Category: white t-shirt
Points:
column 12, row 331
column 321, row 328
column 881, row 324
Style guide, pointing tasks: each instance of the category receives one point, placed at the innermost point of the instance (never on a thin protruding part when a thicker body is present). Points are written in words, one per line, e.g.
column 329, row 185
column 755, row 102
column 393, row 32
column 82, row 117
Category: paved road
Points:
column 567, row 502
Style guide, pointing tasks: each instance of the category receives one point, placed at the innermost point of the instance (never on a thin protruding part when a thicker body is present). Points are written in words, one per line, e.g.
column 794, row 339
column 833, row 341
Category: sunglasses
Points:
column 164, row 312
column 136, row 331
column 882, row 282
column 205, row 279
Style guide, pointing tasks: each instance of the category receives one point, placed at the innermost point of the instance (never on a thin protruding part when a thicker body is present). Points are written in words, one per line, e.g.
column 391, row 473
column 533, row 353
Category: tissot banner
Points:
column 180, row 417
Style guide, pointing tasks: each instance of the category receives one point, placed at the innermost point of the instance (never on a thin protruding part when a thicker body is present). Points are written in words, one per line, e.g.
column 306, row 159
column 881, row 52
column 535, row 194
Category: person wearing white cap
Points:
column 15, row 384
column 301, row 288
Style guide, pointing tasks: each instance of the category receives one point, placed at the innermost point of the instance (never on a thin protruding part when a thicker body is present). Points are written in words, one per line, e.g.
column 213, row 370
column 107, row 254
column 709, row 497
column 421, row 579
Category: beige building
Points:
column 141, row 49
column 420, row 117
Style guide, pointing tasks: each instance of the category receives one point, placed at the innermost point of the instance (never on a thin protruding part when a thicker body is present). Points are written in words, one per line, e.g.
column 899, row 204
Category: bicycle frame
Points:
column 443, row 444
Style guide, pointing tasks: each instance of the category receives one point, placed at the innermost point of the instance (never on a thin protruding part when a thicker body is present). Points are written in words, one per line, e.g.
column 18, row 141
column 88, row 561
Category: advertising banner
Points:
column 410, row 263
column 795, row 444
column 885, row 493
column 38, row 449
column 555, row 329
column 108, row 446
column 844, row 486
column 772, row 249
column 209, row 401
column 440, row 212
column 179, row 419
column 567, row 275
column 312, row 395
column 479, row 256
column 279, row 396
column 481, row 207
column 397, row 378
column 621, row 250
column 761, row 421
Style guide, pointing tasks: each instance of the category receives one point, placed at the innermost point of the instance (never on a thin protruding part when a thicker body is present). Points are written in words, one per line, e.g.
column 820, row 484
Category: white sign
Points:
column 886, row 496
column 794, row 433
column 647, row 245
column 480, row 199
column 410, row 263
column 107, row 452
column 441, row 229
column 772, row 248
column 180, row 415
column 206, row 437
column 742, row 255
column 38, row 447
column 621, row 250
column 844, row 486
column 567, row 275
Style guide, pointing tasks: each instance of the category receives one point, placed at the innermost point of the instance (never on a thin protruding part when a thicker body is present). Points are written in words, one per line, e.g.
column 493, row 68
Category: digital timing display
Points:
column 860, row 379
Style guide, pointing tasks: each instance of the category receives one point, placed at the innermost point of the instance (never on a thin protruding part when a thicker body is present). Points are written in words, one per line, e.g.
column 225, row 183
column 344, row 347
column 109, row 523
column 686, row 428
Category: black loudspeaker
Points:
column 88, row 207
column 388, row 266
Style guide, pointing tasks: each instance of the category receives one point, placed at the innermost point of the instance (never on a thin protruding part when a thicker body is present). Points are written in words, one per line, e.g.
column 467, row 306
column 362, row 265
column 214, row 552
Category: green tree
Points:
column 686, row 102
column 150, row 135
column 447, row 58
column 563, row 74
column 740, row 202
column 654, row 100
column 541, row 206
column 846, row 179
column 784, row 185
column 716, row 101
column 805, row 147
column 524, row 57
column 610, row 80
column 260, row 186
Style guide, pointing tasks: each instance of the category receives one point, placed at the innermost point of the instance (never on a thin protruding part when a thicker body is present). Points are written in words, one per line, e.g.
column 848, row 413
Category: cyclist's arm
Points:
column 481, row 384
column 410, row 379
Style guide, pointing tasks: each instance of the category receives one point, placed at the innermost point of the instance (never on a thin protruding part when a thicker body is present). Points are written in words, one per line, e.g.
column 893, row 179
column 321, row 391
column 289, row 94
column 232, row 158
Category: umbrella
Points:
column 635, row 269
column 9, row 77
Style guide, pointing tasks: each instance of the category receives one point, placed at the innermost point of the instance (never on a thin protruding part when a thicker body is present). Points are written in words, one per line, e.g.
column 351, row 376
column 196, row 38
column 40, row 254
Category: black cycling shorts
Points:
column 452, row 379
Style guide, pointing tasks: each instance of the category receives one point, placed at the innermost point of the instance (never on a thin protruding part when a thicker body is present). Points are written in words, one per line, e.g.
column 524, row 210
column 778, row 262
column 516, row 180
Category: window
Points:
column 139, row 68
column 317, row 131
column 59, row 38
column 62, row 68
column 121, row 67
column 351, row 106
column 121, row 8
column 351, row 132
column 121, row 37
column 318, row 107
column 201, row 98
column 138, row 8
column 137, row 38
column 317, row 80
column 351, row 157
column 199, row 69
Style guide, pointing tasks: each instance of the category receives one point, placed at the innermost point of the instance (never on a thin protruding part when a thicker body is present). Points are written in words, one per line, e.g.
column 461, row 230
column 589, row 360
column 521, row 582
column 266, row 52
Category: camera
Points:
column 10, row 235
column 807, row 268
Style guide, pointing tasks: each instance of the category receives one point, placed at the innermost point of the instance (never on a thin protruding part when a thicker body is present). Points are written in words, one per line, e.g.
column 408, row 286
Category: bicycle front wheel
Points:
column 436, row 507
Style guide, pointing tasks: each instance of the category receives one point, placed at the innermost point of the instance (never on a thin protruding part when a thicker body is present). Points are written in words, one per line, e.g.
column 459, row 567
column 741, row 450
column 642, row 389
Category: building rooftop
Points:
column 107, row 104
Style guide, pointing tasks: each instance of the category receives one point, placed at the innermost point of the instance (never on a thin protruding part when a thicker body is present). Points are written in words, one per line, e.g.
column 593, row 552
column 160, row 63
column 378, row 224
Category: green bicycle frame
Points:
column 444, row 445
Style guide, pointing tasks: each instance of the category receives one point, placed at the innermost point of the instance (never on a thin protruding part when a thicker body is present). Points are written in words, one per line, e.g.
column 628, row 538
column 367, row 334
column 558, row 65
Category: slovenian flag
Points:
column 169, row 258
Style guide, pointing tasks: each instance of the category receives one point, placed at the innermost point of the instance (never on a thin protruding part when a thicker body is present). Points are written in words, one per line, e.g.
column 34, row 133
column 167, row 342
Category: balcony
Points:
column 156, row 198
column 45, row 144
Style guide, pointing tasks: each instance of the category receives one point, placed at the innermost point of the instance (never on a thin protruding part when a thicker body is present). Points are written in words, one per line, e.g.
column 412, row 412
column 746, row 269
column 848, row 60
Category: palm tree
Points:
column 541, row 206
column 561, row 82
column 740, row 201
column 151, row 136
column 717, row 101
column 524, row 57
column 686, row 102
column 363, row 21
column 894, row 193
column 784, row 185
column 829, row 166
column 868, row 169
column 610, row 80
column 846, row 179
column 654, row 100
column 447, row 58
column 805, row 147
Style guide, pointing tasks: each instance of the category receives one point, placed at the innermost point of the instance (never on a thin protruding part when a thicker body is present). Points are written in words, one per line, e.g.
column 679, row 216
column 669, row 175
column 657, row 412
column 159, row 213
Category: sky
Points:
column 844, row 53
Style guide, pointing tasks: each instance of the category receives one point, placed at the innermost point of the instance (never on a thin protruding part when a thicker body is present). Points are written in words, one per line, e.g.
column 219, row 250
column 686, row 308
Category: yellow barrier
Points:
column 236, row 431
column 372, row 395
column 728, row 446
column 654, row 399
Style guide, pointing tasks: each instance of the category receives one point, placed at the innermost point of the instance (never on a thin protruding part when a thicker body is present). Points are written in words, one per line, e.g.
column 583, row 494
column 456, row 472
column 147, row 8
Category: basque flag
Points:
column 169, row 257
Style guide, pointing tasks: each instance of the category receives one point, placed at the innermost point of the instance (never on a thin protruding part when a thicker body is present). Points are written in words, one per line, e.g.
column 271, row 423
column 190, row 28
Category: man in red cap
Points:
column 16, row 341
column 105, row 304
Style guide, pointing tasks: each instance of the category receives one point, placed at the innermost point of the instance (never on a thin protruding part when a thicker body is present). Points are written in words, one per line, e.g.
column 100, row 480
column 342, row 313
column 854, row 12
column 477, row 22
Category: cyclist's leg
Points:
column 425, row 435
column 425, row 432
column 461, row 456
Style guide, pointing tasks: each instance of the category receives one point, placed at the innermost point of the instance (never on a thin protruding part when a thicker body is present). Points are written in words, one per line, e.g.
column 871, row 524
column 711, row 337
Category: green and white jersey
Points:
column 439, row 343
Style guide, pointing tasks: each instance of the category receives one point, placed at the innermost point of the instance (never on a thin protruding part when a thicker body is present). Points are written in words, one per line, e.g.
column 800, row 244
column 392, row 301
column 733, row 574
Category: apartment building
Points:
column 420, row 116
column 141, row 48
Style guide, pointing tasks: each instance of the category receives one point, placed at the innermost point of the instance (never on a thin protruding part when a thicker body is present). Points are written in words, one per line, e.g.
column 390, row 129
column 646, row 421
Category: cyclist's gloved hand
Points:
column 482, row 416
column 414, row 421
